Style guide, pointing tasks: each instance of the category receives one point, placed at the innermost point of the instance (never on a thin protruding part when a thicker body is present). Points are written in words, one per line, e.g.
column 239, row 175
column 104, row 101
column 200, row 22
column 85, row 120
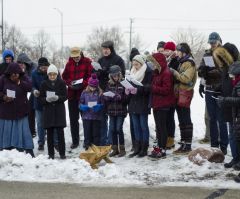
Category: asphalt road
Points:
column 20, row 190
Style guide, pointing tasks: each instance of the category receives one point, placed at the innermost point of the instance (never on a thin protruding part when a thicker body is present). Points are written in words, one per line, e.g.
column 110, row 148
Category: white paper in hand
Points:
column 126, row 84
column 109, row 94
column 137, row 83
column 92, row 104
column 79, row 81
column 11, row 93
column 50, row 94
column 209, row 61
column 96, row 66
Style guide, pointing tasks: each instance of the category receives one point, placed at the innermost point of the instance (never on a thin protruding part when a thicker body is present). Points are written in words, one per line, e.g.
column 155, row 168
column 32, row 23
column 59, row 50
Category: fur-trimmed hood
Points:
column 222, row 57
column 159, row 61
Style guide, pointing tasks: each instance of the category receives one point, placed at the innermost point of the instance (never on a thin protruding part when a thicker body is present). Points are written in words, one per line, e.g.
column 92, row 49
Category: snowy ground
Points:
column 172, row 171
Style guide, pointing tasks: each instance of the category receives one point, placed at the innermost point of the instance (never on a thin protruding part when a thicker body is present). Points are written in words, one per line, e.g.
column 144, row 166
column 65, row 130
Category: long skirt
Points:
column 15, row 134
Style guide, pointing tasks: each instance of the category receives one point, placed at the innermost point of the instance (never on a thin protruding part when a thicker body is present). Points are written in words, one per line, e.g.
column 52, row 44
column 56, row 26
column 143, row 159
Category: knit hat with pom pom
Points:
column 93, row 81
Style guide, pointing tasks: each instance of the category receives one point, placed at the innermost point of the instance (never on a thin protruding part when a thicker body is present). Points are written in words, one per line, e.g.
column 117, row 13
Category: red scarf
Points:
column 235, row 80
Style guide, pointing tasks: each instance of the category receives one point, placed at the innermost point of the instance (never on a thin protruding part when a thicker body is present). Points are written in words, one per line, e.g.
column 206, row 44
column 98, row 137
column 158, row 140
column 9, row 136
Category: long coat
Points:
column 54, row 113
column 19, row 107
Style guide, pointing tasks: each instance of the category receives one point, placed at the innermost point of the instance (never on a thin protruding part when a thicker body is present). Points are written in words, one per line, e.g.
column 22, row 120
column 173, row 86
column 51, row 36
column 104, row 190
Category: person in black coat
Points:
column 53, row 94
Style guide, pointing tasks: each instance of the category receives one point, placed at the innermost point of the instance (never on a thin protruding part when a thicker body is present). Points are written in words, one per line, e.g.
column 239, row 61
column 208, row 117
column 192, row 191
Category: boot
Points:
column 231, row 163
column 122, row 151
column 115, row 151
column 137, row 149
column 144, row 150
column 179, row 150
column 170, row 143
column 237, row 178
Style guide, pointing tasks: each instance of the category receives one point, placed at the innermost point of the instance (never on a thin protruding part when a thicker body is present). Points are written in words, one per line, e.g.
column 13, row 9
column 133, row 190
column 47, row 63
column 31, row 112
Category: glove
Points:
column 97, row 107
column 36, row 93
column 54, row 98
column 201, row 90
column 84, row 108
column 133, row 91
column 7, row 99
column 220, row 101
column 117, row 97
column 127, row 91
column 49, row 99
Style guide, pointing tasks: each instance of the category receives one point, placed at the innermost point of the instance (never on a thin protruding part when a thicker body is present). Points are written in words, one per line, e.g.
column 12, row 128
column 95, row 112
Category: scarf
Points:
column 138, row 74
column 236, row 80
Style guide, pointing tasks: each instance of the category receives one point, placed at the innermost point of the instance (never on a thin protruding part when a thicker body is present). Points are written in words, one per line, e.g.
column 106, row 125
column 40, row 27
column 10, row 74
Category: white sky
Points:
column 154, row 20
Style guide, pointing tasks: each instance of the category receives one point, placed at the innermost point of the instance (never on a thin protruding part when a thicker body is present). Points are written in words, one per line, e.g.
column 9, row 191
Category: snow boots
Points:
column 115, row 151
column 157, row 153
column 122, row 151
column 184, row 148
column 137, row 149
column 144, row 149
column 170, row 143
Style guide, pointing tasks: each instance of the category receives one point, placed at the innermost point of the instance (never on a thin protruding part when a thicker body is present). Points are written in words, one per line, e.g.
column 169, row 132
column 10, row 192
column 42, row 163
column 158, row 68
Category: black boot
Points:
column 237, row 178
column 137, row 149
column 30, row 151
column 144, row 150
column 231, row 163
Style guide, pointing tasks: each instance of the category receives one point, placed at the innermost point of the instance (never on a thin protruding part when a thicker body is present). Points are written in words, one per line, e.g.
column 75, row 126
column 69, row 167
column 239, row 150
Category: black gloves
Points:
column 201, row 90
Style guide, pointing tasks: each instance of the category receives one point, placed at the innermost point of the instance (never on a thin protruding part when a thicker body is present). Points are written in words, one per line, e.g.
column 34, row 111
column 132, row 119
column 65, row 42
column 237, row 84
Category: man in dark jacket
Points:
column 109, row 59
column 76, row 74
column 8, row 57
column 27, row 65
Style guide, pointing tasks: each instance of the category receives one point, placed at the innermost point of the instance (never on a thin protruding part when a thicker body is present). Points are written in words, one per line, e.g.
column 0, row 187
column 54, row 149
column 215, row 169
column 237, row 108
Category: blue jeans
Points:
column 41, row 131
column 105, row 138
column 116, row 129
column 140, row 125
column 218, row 127
column 232, row 141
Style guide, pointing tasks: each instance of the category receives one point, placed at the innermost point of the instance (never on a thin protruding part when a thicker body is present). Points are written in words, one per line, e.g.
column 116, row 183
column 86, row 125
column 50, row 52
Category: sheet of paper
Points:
column 209, row 61
column 109, row 94
column 92, row 104
column 96, row 66
column 50, row 94
column 136, row 82
column 126, row 84
column 79, row 81
column 11, row 93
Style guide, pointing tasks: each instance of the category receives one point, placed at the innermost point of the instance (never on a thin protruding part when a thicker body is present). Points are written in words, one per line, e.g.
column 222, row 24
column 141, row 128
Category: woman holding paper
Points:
column 139, row 104
column 14, row 109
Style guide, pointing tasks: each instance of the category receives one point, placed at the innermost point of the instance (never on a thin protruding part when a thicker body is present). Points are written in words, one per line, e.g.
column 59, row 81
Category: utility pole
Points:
column 61, row 14
column 2, row 28
column 130, row 40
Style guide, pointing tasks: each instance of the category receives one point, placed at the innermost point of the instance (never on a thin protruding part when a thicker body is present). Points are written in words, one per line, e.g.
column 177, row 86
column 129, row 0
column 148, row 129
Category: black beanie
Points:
column 133, row 53
column 108, row 44
column 43, row 61
column 160, row 44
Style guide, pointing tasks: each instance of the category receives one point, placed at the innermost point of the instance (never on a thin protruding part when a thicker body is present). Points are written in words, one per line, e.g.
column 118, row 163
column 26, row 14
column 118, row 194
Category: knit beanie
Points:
column 139, row 59
column 170, row 46
column 52, row 69
column 43, row 61
column 93, row 81
column 160, row 44
column 133, row 53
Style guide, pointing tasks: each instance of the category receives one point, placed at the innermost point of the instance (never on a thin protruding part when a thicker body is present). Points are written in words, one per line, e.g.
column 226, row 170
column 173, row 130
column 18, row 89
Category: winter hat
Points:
column 160, row 44
column 108, row 44
column 170, row 46
column 133, row 53
column 75, row 52
column 139, row 59
column 14, row 68
column 115, row 69
column 184, row 48
column 52, row 69
column 7, row 53
column 43, row 61
column 214, row 37
column 93, row 81
column 23, row 58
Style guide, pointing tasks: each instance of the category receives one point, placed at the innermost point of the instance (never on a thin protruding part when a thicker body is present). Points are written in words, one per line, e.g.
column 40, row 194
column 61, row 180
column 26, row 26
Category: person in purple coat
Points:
column 91, row 107
column 14, row 109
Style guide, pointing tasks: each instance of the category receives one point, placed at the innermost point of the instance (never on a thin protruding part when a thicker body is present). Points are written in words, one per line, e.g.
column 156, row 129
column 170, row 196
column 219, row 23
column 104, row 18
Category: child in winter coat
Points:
column 91, row 107
column 162, row 100
column 53, row 94
column 117, row 110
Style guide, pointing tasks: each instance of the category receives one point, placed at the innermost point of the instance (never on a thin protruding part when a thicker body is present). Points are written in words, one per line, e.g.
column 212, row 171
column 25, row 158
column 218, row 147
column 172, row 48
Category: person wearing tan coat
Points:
column 185, row 79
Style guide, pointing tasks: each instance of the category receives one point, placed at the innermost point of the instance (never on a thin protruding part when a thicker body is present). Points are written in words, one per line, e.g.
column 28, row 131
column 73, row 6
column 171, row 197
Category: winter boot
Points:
column 30, row 151
column 187, row 148
column 170, row 143
column 144, row 150
column 179, row 150
column 237, row 166
column 230, row 164
column 122, row 151
column 237, row 178
column 137, row 149
column 184, row 149
column 157, row 153
column 115, row 151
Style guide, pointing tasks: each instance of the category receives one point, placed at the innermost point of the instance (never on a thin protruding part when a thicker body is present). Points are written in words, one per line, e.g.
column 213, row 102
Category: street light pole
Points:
column 2, row 28
column 61, row 14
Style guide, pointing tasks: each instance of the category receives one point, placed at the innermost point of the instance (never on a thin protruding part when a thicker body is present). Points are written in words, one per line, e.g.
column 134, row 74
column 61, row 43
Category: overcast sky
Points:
column 154, row 20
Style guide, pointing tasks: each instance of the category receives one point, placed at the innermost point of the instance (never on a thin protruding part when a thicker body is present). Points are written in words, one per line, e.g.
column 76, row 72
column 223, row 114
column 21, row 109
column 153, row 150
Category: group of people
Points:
column 102, row 93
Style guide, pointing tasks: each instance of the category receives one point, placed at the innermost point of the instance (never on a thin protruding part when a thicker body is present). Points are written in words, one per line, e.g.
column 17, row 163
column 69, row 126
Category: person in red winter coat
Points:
column 76, row 74
column 163, row 99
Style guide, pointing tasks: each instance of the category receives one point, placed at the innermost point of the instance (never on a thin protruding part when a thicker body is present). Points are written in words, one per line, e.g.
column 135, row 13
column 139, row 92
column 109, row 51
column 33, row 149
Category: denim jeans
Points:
column 140, row 125
column 105, row 138
column 218, row 127
column 40, row 130
column 116, row 130
column 232, row 141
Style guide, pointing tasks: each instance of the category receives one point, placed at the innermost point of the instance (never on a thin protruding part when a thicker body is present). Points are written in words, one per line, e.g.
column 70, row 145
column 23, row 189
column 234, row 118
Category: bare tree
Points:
column 196, row 40
column 101, row 34
column 40, row 43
